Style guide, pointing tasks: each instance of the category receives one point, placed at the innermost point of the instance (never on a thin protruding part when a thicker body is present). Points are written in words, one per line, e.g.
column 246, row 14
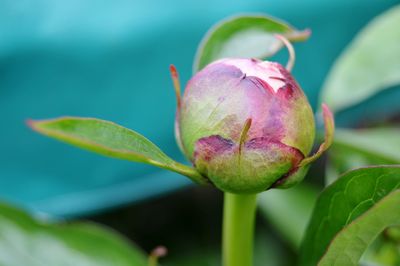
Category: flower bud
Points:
column 247, row 126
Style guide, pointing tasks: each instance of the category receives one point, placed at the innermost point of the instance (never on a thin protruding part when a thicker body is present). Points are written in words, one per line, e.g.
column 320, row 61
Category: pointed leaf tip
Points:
column 32, row 123
column 302, row 35
column 177, row 88
column 29, row 122
column 329, row 125
column 172, row 69
column 177, row 85
column 39, row 125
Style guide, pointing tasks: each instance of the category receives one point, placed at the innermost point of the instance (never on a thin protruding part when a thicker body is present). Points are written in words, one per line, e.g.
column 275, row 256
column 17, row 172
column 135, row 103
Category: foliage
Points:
column 349, row 214
column 370, row 64
column 240, row 36
column 110, row 139
column 28, row 241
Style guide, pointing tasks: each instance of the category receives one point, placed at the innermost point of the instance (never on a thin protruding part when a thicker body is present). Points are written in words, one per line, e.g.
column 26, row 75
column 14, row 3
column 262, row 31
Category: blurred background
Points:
column 109, row 59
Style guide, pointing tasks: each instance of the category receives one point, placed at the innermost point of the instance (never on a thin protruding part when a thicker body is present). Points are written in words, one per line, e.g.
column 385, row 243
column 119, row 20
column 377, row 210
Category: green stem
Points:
column 238, row 229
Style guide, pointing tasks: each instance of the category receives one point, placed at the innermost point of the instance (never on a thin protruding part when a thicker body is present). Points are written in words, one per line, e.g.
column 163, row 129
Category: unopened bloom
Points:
column 247, row 126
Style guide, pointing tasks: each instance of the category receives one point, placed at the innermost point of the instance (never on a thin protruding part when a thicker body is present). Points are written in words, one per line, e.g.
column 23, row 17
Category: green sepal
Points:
column 329, row 124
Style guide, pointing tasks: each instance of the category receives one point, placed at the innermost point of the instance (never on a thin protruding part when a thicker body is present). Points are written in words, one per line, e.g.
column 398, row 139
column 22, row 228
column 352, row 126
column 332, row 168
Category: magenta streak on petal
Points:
column 212, row 145
column 289, row 82
column 287, row 91
column 260, row 83
column 285, row 74
column 278, row 78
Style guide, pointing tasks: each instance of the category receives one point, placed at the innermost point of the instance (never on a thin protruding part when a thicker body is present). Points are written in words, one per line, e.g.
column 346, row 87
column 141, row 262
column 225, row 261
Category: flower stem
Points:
column 238, row 229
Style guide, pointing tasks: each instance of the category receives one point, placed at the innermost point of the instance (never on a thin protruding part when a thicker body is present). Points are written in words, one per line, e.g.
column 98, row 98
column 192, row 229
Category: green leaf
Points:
column 370, row 64
column 111, row 140
column 349, row 214
column 377, row 142
column 349, row 244
column 289, row 210
column 353, row 148
column 27, row 241
column 244, row 36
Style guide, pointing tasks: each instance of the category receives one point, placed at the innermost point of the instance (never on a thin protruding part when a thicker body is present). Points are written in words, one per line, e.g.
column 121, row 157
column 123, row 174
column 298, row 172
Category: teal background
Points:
column 109, row 59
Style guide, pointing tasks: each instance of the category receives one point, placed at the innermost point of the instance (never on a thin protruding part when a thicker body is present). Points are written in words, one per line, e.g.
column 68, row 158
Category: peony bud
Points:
column 247, row 126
